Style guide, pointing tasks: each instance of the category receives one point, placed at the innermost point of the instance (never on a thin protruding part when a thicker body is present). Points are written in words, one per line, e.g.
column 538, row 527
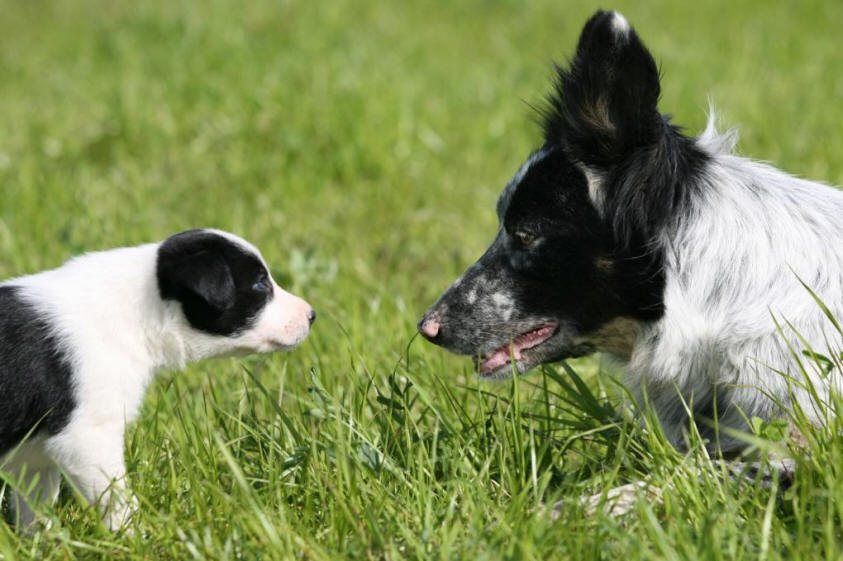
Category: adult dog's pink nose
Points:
column 429, row 327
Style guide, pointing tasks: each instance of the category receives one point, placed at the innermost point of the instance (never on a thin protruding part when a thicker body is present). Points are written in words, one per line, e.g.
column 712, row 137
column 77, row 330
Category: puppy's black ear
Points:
column 605, row 104
column 194, row 272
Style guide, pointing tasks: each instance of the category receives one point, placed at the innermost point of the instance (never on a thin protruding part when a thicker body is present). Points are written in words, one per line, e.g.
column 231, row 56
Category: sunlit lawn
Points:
column 361, row 146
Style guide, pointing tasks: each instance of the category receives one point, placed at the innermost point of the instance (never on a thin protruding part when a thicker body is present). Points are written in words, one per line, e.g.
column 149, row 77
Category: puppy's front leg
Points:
column 92, row 457
column 36, row 481
column 40, row 486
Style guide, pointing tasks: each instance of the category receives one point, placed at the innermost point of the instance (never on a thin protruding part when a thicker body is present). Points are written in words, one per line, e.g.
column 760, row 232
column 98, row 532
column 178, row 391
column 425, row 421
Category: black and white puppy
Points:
column 79, row 345
column 623, row 235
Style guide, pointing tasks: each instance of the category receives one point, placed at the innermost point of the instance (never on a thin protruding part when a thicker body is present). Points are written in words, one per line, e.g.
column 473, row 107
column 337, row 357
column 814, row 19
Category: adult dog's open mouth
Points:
column 503, row 356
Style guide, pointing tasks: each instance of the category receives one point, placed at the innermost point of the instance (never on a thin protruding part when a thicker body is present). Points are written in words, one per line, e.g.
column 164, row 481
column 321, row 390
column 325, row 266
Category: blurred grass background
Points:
column 362, row 145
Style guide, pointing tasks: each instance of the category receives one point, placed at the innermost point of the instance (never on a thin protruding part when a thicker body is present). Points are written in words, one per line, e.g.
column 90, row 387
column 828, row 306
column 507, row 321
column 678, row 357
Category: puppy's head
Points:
column 225, row 289
column 573, row 267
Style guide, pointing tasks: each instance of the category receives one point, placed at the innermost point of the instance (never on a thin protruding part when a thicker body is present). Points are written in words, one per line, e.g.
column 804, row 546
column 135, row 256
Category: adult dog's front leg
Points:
column 92, row 457
column 618, row 501
column 614, row 502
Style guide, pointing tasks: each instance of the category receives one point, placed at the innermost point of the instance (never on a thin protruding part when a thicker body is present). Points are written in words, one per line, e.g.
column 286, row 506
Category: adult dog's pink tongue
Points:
column 498, row 358
column 501, row 355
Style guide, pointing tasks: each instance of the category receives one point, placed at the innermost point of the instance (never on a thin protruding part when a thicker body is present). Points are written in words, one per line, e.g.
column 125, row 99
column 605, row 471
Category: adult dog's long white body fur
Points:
column 80, row 344
column 737, row 313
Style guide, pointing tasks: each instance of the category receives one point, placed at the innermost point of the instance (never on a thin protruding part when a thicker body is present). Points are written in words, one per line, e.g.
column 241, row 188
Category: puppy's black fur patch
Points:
column 35, row 373
column 221, row 286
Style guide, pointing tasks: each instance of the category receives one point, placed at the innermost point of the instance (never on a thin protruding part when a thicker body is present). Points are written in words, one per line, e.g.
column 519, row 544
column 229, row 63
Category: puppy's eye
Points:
column 261, row 285
column 525, row 238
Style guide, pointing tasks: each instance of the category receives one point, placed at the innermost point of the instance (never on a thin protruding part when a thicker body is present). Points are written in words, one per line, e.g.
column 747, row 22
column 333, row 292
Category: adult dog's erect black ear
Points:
column 194, row 272
column 605, row 104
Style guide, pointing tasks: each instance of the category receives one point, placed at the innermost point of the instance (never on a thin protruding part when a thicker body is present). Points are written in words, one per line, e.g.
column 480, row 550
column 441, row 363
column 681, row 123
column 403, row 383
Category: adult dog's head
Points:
column 577, row 264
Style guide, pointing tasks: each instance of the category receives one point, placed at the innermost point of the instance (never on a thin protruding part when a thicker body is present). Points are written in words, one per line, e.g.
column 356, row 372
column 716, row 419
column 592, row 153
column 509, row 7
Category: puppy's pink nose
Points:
column 429, row 328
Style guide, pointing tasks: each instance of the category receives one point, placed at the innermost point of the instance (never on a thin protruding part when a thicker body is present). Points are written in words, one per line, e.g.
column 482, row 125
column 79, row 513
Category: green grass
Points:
column 361, row 146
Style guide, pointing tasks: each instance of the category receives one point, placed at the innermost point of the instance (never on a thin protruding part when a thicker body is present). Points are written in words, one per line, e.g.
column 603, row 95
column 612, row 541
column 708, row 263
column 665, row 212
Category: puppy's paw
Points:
column 119, row 514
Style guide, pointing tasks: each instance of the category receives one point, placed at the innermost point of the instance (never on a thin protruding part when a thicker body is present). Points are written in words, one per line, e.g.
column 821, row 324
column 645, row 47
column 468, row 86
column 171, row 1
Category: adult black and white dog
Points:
column 621, row 234
column 79, row 345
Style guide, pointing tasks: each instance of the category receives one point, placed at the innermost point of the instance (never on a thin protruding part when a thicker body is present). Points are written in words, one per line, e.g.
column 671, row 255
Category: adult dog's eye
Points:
column 261, row 285
column 525, row 238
